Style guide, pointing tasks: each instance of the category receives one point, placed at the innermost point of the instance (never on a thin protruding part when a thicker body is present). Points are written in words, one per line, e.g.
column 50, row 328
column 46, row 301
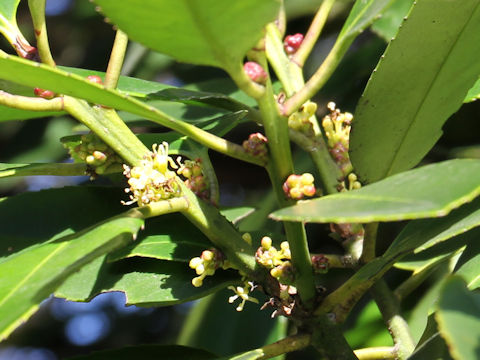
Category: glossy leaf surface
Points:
column 145, row 282
column 167, row 237
column 194, row 31
column 458, row 318
column 417, row 193
column 422, row 79
column 34, row 273
column 468, row 265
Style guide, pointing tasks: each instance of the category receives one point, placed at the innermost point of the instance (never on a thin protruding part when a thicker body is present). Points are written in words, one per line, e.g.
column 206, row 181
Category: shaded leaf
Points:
column 61, row 169
column 387, row 26
column 468, row 265
column 363, row 13
column 149, row 352
column 433, row 348
column 167, row 237
column 413, row 194
column 249, row 355
column 458, row 318
column 474, row 93
column 145, row 282
column 213, row 312
column 198, row 31
column 237, row 214
column 423, row 234
column 422, row 79
column 34, row 273
column 29, row 219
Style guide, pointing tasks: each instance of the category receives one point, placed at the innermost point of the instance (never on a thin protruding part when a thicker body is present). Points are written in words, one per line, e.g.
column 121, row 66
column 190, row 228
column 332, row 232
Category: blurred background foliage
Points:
column 81, row 38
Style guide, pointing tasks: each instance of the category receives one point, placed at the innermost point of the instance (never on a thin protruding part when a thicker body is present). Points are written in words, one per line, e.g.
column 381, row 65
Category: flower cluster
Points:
column 337, row 127
column 291, row 43
column 195, row 179
column 206, row 264
column 302, row 120
column 242, row 293
column 298, row 186
column 278, row 261
column 256, row 145
column 152, row 181
column 90, row 149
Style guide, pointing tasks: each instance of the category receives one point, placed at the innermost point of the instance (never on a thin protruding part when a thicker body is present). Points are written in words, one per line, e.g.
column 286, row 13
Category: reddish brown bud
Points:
column 46, row 94
column 95, row 79
column 292, row 43
column 255, row 72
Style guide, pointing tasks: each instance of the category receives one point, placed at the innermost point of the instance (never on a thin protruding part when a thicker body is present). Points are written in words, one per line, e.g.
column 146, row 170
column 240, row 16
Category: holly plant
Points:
column 158, row 231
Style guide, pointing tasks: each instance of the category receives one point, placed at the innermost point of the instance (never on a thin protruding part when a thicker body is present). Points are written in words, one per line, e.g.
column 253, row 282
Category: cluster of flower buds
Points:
column 291, row 43
column 296, row 187
column 95, row 153
column 301, row 120
column 242, row 293
column 255, row 72
column 256, row 145
column 337, row 127
column 206, row 264
column 278, row 261
column 152, row 181
column 195, row 179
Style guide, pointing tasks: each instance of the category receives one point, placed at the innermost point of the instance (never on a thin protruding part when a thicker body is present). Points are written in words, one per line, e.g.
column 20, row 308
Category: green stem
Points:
column 319, row 78
column 313, row 33
column 369, row 242
column 44, row 169
column 289, row 344
column 377, row 353
column 328, row 170
column 109, row 127
column 279, row 168
column 281, row 21
column 288, row 73
column 163, row 207
column 37, row 10
column 30, row 103
column 116, row 60
column 398, row 327
column 328, row 340
column 222, row 234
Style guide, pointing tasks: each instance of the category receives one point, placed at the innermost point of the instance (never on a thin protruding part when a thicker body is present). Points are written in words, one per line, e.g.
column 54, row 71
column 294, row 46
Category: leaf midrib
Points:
column 432, row 83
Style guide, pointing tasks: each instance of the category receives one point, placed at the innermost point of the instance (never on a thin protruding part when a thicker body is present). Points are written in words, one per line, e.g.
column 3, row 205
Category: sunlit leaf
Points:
column 421, row 80
column 417, row 193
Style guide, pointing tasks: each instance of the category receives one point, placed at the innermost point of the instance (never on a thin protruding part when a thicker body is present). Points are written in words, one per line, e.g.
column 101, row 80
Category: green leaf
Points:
column 145, row 282
column 474, row 93
column 468, row 265
column 433, row 348
column 34, row 273
column 199, row 98
column 458, row 318
column 248, row 329
column 387, row 26
column 194, row 31
column 8, row 22
column 421, row 80
column 237, row 214
column 61, row 169
column 34, row 74
column 417, row 193
column 423, row 234
column 149, row 352
column 29, row 219
column 249, row 355
column 167, row 237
